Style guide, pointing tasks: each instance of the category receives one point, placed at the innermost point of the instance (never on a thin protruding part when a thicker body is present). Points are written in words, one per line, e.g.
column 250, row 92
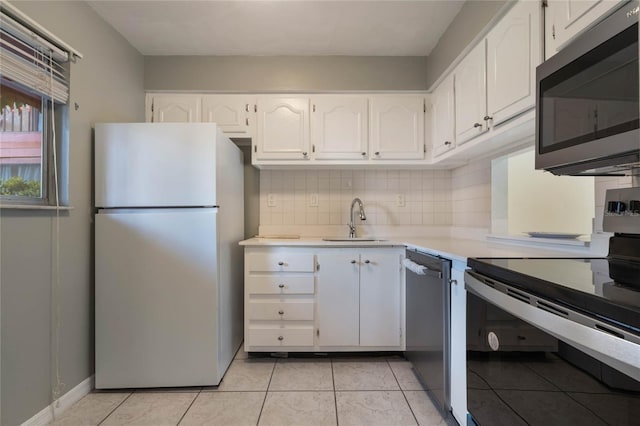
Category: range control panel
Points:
column 622, row 211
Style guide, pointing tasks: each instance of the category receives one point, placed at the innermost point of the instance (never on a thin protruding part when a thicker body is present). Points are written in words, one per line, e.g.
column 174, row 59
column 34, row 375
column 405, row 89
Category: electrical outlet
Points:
column 271, row 200
column 313, row 200
column 400, row 202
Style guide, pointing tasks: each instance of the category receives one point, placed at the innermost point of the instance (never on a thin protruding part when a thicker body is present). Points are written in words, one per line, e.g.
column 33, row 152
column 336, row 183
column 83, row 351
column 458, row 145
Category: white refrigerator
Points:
column 168, row 268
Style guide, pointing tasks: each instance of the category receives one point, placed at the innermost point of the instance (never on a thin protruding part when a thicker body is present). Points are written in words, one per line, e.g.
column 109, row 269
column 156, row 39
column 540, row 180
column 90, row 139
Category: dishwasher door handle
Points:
column 418, row 269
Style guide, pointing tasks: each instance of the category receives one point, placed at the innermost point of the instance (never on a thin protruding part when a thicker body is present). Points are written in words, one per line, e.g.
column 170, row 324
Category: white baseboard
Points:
column 47, row 414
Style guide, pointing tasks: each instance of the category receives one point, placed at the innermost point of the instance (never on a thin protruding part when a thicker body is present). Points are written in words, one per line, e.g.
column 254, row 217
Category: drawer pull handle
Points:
column 280, row 338
column 280, row 263
column 281, row 285
column 367, row 261
column 281, row 312
column 353, row 261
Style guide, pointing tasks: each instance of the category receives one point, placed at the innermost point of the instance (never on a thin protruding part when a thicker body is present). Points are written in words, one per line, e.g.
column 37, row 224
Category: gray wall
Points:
column 471, row 19
column 108, row 85
column 284, row 73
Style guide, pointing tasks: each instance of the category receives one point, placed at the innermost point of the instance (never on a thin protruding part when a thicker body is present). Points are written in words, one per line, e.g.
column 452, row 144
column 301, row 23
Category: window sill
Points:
column 33, row 207
column 582, row 241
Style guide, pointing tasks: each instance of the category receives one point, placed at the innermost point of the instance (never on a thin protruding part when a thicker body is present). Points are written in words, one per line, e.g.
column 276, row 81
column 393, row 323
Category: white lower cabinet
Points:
column 339, row 298
column 336, row 299
column 279, row 299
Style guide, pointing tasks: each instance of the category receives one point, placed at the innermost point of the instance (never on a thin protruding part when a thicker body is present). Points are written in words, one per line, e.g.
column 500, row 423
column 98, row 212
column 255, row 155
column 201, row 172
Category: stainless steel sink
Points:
column 354, row 240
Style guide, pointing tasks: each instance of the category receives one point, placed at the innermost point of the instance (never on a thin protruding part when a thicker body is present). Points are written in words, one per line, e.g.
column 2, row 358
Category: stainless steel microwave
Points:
column 587, row 111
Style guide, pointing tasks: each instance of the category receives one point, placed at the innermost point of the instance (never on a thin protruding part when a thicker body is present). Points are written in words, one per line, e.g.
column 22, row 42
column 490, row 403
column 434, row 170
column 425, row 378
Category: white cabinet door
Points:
column 283, row 128
column 513, row 52
column 337, row 299
column 442, row 117
column 339, row 127
column 471, row 95
column 396, row 127
column 565, row 19
column 172, row 108
column 380, row 299
column 234, row 114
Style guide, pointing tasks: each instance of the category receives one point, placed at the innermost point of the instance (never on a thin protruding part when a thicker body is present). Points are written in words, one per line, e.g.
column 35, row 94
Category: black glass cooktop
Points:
column 603, row 288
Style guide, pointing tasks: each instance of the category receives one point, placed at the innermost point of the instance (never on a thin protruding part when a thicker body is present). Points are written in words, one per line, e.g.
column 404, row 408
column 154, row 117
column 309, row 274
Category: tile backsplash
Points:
column 323, row 197
column 471, row 195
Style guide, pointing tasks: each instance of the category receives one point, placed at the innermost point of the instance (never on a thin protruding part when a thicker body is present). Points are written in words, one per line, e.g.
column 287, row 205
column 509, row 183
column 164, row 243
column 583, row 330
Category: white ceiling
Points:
column 355, row 28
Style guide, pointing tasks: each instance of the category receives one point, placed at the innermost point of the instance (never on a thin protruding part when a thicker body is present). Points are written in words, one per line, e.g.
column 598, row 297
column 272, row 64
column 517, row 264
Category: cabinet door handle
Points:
column 353, row 262
column 246, row 107
column 304, row 154
column 281, row 285
column 377, row 153
column 280, row 263
column 363, row 154
column 281, row 312
column 447, row 142
column 487, row 118
column 314, row 107
column 477, row 125
column 246, row 121
column 280, row 338
column 367, row 261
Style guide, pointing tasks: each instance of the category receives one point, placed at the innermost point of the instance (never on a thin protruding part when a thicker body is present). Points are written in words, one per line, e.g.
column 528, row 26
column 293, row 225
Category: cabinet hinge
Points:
column 317, row 266
column 314, row 107
column 425, row 148
column 255, row 108
column 318, row 332
column 553, row 31
column 152, row 106
column 424, row 106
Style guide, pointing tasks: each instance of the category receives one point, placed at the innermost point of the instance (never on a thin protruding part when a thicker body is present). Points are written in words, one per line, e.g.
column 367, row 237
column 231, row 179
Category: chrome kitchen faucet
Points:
column 352, row 224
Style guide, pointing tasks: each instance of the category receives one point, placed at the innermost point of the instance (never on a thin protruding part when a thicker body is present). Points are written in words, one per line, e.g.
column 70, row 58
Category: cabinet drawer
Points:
column 280, row 262
column 299, row 310
column 280, row 284
column 281, row 336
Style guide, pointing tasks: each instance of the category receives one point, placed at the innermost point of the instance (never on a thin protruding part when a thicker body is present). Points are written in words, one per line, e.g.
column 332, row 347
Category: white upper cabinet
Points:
column 283, row 128
column 442, row 117
column 396, row 128
column 513, row 52
column 233, row 113
column 471, row 95
column 339, row 125
column 564, row 19
column 175, row 108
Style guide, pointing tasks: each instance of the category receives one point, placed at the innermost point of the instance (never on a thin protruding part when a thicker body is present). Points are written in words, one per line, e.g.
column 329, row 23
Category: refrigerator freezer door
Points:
column 156, row 298
column 155, row 164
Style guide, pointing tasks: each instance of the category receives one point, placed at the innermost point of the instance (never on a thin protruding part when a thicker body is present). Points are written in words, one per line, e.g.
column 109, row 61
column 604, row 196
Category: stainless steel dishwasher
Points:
column 428, row 323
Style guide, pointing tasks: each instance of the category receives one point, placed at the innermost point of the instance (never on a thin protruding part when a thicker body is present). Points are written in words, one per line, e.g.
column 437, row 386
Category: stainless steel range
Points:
column 557, row 341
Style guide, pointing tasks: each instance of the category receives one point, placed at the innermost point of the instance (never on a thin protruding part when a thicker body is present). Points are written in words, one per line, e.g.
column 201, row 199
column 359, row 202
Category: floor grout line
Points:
column 335, row 396
column 189, row 407
column 273, row 369
column 117, row 406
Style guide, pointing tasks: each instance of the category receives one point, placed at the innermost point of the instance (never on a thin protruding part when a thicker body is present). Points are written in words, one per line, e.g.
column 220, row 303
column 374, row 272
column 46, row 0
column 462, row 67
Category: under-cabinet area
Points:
column 305, row 299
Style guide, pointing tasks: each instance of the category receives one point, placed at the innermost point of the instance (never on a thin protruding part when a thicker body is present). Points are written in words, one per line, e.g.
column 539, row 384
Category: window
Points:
column 34, row 90
column 23, row 146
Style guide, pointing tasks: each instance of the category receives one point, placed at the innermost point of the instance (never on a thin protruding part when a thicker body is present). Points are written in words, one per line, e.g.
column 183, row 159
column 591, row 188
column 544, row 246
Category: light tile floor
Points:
column 371, row 391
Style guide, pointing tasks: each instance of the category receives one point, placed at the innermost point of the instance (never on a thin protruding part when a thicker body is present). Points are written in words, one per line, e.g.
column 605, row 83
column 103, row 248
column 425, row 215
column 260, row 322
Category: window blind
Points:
column 31, row 61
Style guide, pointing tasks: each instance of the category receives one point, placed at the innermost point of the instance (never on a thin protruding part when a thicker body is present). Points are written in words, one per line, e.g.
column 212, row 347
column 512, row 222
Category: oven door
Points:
column 528, row 365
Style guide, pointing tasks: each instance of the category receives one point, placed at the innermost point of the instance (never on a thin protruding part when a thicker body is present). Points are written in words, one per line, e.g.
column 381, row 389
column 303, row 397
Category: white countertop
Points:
column 451, row 248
